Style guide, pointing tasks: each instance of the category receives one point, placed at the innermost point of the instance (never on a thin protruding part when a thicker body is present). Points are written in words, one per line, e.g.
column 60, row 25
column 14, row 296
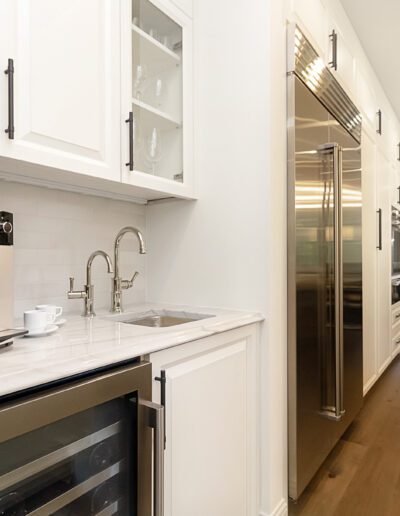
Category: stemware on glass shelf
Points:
column 152, row 32
column 157, row 91
column 154, row 148
column 139, row 80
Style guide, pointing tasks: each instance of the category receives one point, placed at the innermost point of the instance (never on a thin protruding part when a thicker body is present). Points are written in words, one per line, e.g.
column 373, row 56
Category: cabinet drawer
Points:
column 396, row 341
column 396, row 316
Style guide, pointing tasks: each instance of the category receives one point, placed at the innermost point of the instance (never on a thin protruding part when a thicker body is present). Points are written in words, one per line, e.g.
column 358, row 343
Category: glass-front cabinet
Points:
column 157, row 118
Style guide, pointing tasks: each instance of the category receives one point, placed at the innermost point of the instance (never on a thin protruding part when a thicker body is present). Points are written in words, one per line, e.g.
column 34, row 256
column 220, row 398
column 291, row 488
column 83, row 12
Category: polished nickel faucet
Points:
column 88, row 291
column 119, row 284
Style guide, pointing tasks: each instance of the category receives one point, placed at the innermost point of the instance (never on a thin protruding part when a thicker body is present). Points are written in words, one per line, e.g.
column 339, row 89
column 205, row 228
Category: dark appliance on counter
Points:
column 6, row 270
column 7, row 281
column 87, row 446
column 324, row 261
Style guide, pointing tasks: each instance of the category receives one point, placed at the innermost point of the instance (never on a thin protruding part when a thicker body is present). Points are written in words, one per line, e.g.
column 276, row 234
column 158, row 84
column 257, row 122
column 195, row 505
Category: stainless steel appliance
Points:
column 395, row 242
column 84, row 446
column 324, row 261
column 395, row 255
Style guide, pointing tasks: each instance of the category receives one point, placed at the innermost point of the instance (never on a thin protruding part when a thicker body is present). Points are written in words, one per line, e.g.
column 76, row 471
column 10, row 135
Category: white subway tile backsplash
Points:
column 55, row 232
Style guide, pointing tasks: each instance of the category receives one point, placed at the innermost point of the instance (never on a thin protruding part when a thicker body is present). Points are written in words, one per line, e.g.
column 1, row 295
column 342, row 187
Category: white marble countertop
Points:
column 82, row 345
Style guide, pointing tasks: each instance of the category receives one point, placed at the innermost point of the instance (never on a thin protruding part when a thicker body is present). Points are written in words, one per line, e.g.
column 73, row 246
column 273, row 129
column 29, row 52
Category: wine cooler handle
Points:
column 154, row 416
column 10, row 73
column 129, row 121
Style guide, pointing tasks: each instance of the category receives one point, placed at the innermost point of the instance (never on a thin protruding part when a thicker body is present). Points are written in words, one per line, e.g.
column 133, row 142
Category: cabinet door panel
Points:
column 211, row 424
column 313, row 19
column 208, row 479
column 384, row 265
column 66, row 58
column 369, row 260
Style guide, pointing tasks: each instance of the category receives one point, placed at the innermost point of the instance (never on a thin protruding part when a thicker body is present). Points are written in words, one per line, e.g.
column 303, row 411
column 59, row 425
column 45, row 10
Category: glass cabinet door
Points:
column 156, row 140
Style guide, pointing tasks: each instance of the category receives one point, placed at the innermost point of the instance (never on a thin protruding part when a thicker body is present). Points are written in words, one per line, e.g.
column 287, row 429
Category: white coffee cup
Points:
column 37, row 320
column 50, row 309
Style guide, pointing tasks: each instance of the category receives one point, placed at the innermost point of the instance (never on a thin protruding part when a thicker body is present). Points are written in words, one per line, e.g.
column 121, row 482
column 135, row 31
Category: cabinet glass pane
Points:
column 156, row 91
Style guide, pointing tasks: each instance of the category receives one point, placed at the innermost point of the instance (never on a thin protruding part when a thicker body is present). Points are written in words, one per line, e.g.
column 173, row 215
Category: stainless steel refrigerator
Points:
column 324, row 261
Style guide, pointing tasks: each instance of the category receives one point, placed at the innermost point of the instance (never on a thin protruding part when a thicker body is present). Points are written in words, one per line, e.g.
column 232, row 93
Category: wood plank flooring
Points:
column 361, row 476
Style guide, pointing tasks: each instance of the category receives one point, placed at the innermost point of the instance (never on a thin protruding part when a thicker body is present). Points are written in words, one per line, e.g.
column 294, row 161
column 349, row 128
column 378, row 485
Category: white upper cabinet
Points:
column 66, row 84
column 157, row 118
column 185, row 5
column 313, row 20
column 366, row 99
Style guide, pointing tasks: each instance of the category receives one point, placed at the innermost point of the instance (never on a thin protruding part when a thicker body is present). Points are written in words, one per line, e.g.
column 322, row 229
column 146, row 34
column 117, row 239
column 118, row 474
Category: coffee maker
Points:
column 7, row 280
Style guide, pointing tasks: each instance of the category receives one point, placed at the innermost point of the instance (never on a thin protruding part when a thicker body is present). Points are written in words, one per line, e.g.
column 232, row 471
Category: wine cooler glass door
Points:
column 80, row 450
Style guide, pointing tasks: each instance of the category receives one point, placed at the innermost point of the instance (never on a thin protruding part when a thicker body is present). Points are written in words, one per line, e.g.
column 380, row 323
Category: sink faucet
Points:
column 88, row 291
column 118, row 283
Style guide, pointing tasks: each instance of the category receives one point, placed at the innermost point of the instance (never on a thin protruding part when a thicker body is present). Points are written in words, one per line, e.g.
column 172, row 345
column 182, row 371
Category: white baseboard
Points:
column 369, row 384
column 280, row 510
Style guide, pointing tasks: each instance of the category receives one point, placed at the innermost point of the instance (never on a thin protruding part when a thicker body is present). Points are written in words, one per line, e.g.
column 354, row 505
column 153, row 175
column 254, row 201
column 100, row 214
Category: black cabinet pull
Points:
column 129, row 121
column 10, row 73
column 333, row 38
column 163, row 380
column 379, row 114
column 379, row 246
column 398, row 155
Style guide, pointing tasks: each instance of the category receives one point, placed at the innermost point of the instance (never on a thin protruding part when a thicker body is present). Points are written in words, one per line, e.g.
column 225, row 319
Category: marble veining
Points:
column 83, row 344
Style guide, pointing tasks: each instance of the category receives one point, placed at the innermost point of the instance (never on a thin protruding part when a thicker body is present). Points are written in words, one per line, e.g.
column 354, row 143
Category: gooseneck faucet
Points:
column 88, row 291
column 119, row 284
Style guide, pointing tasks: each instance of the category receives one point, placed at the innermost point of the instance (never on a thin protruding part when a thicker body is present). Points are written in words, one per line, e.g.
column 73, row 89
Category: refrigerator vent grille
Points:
column 311, row 70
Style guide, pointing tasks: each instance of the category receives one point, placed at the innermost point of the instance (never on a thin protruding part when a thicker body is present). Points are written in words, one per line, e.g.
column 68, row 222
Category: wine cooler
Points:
column 88, row 446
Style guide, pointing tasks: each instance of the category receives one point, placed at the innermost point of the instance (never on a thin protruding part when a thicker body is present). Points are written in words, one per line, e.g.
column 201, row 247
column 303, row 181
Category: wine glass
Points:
column 158, row 92
column 139, row 80
column 154, row 148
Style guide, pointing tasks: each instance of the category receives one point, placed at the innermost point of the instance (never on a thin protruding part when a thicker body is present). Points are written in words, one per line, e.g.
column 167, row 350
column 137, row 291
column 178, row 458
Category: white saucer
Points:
column 41, row 333
column 60, row 322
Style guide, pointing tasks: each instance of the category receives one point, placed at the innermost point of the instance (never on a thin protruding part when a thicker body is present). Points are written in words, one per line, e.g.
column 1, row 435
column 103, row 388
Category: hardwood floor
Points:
column 361, row 476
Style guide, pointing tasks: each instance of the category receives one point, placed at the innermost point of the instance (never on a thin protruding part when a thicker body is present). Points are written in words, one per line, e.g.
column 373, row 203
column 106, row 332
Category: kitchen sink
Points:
column 159, row 318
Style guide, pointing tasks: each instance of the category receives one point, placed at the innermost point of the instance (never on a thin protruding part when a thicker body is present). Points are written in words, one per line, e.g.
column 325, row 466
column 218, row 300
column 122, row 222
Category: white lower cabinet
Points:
column 211, row 424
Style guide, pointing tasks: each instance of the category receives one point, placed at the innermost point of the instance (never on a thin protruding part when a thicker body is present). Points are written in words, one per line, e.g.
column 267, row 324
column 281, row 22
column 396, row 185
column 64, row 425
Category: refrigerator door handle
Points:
column 337, row 411
column 338, row 173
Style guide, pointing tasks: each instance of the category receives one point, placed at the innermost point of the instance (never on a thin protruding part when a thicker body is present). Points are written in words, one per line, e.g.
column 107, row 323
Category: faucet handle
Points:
column 125, row 284
column 78, row 294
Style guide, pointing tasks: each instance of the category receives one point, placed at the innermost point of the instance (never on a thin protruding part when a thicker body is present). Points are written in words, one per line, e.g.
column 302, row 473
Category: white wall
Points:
column 229, row 248
column 55, row 232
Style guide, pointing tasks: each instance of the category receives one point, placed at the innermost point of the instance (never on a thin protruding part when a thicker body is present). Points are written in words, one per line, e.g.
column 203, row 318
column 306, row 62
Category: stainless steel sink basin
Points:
column 159, row 318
